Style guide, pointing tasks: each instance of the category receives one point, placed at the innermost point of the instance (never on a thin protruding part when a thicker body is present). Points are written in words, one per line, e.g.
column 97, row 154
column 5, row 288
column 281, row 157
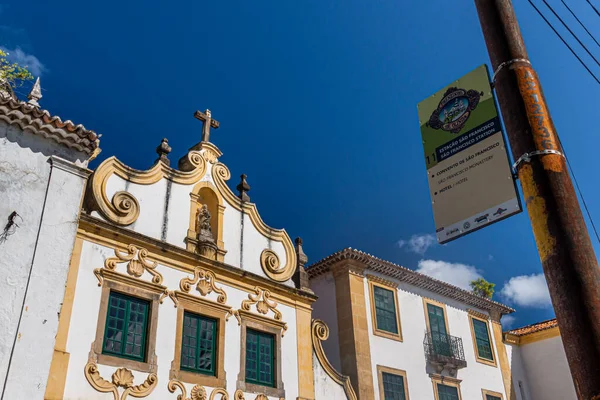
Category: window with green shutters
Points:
column 385, row 309
column 126, row 327
column 199, row 342
column 393, row 387
column 492, row 397
column 482, row 337
column 260, row 358
column 447, row 392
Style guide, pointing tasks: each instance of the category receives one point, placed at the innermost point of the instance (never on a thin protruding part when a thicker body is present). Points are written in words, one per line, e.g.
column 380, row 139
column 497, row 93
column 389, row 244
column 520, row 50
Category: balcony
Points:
column 444, row 351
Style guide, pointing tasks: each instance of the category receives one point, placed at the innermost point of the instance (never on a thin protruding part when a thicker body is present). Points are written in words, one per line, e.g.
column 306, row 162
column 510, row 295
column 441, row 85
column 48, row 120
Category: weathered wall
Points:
column 546, row 371
column 520, row 382
column 325, row 309
column 46, row 193
column 325, row 387
column 84, row 321
column 409, row 354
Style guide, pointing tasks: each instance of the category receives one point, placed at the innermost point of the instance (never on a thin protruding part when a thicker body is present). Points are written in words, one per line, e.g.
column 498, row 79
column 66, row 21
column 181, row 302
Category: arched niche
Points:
column 205, row 193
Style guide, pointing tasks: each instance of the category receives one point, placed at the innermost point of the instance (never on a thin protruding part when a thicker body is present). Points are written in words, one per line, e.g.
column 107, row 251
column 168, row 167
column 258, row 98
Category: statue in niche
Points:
column 206, row 241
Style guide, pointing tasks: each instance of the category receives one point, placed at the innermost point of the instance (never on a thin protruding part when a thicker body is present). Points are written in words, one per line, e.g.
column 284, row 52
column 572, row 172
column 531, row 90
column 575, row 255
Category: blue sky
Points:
column 317, row 105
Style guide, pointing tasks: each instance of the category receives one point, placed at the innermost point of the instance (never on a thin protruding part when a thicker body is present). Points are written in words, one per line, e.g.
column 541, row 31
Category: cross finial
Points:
column 208, row 123
column 163, row 151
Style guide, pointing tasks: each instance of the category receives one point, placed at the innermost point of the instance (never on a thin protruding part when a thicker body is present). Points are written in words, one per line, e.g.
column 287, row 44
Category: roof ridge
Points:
column 320, row 267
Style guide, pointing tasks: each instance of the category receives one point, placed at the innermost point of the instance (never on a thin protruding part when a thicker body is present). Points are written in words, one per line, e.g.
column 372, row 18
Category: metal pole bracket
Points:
column 527, row 157
column 506, row 64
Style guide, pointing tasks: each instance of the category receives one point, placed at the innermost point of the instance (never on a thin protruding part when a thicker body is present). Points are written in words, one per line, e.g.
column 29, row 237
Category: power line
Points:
column 580, row 23
column 570, row 31
column 564, row 42
column 594, row 7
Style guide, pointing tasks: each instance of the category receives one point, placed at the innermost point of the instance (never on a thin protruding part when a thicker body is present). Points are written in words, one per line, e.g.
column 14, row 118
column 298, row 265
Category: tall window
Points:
column 260, row 358
column 385, row 309
column 393, row 387
column 126, row 327
column 199, row 342
column 447, row 392
column 437, row 327
column 482, row 337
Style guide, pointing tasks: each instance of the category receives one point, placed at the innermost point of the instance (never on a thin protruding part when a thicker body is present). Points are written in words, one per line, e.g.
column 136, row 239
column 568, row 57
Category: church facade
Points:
column 166, row 284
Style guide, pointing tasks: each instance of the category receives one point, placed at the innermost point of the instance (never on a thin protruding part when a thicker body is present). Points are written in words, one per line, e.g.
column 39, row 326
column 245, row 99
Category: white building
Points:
column 42, row 178
column 531, row 347
column 399, row 334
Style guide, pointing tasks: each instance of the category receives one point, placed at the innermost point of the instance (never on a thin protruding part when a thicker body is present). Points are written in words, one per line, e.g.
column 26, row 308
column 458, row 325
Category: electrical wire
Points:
column 564, row 42
column 587, row 210
column 594, row 7
column 580, row 23
column 570, row 31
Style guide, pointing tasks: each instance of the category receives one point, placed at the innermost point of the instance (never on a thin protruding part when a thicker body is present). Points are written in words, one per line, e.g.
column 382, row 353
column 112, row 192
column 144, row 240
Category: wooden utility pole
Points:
column 565, row 249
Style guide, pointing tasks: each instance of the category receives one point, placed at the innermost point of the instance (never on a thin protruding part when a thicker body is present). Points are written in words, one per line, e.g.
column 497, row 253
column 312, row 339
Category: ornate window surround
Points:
column 391, row 286
column 381, row 369
column 485, row 361
column 116, row 282
column 444, row 380
column 485, row 392
column 219, row 312
column 274, row 326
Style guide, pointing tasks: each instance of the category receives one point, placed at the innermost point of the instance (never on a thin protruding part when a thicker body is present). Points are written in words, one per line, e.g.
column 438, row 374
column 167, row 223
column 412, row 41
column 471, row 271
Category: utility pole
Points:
column 565, row 249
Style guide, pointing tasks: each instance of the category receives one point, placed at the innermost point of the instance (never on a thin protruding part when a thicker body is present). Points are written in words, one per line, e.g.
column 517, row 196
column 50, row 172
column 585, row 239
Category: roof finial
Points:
column 300, row 276
column 243, row 188
column 163, row 151
column 35, row 94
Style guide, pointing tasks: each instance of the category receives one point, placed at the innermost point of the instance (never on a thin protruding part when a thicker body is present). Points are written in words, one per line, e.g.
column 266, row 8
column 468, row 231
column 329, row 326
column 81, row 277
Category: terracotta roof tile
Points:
column 539, row 326
column 409, row 276
column 40, row 122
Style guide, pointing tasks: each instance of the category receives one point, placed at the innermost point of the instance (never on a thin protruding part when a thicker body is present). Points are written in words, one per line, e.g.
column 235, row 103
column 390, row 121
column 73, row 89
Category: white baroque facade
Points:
column 42, row 178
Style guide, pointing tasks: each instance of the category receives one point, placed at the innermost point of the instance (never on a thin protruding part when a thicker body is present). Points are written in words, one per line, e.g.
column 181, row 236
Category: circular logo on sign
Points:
column 467, row 225
column 454, row 109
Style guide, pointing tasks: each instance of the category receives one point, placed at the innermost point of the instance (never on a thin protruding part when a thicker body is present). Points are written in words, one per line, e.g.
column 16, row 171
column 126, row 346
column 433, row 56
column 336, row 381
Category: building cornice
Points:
column 40, row 122
column 101, row 232
column 406, row 275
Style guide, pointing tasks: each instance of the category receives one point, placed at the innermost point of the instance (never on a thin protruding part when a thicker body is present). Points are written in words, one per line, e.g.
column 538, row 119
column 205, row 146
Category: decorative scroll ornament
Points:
column 320, row 332
column 122, row 378
column 136, row 261
column 205, row 284
column 239, row 395
column 269, row 261
column 281, row 273
column 170, row 294
column 123, row 209
column 263, row 304
column 197, row 393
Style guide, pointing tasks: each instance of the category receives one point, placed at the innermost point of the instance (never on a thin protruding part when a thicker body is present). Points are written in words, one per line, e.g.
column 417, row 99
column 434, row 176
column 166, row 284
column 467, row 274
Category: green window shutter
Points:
column 260, row 359
column 393, row 387
column 491, row 397
column 199, row 343
column 447, row 392
column 482, row 337
column 126, row 327
column 385, row 309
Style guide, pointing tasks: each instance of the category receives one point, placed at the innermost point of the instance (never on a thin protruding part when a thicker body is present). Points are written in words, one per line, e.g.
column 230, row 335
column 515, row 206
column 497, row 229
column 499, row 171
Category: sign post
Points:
column 469, row 173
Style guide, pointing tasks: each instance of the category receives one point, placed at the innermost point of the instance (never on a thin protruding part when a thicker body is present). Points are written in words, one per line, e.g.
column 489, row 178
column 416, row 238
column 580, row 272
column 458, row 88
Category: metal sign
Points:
column 469, row 173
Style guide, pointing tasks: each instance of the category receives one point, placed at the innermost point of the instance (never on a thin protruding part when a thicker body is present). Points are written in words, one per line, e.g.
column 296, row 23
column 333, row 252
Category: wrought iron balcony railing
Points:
column 444, row 351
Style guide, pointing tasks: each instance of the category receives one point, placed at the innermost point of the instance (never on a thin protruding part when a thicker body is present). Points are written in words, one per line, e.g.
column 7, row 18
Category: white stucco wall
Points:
column 519, row 376
column 46, row 192
column 84, row 320
column 325, row 387
column 409, row 354
column 325, row 309
column 545, row 370
column 243, row 251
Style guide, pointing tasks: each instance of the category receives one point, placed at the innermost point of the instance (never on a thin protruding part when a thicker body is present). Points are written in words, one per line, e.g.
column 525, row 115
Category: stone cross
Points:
column 208, row 123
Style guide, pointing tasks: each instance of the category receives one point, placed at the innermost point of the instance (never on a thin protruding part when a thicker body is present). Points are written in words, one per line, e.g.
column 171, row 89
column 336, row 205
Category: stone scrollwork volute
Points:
column 121, row 378
column 205, row 282
column 123, row 208
column 320, row 333
column 198, row 392
column 262, row 302
column 137, row 263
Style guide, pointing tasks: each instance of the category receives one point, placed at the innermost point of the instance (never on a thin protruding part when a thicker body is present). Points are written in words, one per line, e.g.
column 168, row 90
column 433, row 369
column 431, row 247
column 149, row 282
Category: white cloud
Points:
column 508, row 321
column 527, row 291
column 25, row 60
column 456, row 274
column 418, row 244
